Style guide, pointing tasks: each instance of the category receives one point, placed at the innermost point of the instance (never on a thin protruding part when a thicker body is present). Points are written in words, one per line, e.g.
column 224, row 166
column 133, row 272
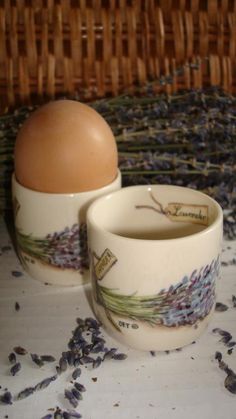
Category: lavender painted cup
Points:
column 51, row 232
column 154, row 263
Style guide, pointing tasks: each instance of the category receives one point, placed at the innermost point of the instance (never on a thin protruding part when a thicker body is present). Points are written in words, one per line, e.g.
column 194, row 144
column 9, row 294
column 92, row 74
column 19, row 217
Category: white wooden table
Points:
column 179, row 385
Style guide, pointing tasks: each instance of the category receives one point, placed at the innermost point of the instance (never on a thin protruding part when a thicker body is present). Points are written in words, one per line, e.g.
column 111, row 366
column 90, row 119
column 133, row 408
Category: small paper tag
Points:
column 105, row 263
column 187, row 213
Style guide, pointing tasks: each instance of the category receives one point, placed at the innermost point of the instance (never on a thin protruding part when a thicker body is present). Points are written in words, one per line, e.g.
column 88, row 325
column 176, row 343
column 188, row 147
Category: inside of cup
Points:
column 156, row 212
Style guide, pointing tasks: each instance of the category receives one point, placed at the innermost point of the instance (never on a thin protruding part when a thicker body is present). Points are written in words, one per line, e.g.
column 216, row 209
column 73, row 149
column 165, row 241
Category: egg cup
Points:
column 154, row 263
column 51, row 232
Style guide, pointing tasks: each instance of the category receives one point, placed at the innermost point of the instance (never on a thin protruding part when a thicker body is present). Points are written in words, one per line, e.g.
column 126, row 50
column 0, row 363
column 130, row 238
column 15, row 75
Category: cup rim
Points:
column 71, row 194
column 90, row 216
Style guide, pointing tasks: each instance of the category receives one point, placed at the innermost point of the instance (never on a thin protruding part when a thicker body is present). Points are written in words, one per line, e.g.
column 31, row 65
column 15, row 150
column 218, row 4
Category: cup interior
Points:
column 155, row 212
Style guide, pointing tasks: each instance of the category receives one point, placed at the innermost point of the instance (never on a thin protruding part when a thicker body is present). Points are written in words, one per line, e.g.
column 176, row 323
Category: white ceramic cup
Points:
column 154, row 261
column 51, row 232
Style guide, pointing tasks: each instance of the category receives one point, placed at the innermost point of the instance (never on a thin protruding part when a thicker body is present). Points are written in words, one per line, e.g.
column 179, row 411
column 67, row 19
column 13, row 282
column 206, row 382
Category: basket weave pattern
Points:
column 99, row 48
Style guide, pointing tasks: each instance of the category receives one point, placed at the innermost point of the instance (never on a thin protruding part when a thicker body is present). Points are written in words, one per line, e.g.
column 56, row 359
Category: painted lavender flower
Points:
column 66, row 249
column 184, row 303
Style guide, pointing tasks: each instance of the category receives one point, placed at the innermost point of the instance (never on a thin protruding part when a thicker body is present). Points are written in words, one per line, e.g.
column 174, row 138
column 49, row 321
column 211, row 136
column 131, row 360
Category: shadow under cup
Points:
column 154, row 263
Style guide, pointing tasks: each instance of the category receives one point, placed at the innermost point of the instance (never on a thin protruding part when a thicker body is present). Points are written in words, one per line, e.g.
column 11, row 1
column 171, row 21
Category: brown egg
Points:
column 65, row 147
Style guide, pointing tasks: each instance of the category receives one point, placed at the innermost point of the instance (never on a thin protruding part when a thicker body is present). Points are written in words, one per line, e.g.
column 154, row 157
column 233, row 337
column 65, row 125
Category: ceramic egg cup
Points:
column 154, row 262
column 51, row 232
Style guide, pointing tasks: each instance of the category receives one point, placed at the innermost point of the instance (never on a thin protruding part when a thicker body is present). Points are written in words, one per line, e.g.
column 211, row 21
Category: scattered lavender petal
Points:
column 71, row 398
column 77, row 394
column 76, row 373
column 48, row 358
column 220, row 307
column 71, row 415
column 25, row 393
column 20, row 351
column 63, row 364
column 97, row 362
column 218, row 356
column 15, row 369
column 49, row 416
column 6, row 398
column 79, row 387
column 17, row 274
column 17, row 306
column 230, row 383
column 45, row 383
column 12, row 358
column 234, row 300
column 37, row 360
column 119, row 357
column 110, row 353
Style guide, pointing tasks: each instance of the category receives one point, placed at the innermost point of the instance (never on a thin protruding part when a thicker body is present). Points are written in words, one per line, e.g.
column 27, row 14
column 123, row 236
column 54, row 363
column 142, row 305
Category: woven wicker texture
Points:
column 99, row 48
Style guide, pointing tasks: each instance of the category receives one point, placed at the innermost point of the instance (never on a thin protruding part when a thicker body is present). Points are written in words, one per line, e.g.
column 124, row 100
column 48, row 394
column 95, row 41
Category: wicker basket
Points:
column 97, row 48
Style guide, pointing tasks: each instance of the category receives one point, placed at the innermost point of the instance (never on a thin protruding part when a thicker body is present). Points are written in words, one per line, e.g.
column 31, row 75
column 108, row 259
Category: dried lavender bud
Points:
column 71, row 398
column 25, row 393
column 48, row 358
column 218, row 356
column 230, row 351
column 225, row 339
column 70, row 358
column 71, row 415
column 110, row 353
column 12, row 358
column 80, row 321
column 37, row 360
column 220, row 307
column 98, row 347
column 77, row 362
column 153, row 353
column 79, row 387
column 76, row 373
column 231, row 344
column 16, row 274
column 20, row 351
column 119, row 357
column 45, row 383
column 86, row 360
column 77, row 394
column 17, row 306
column 97, row 362
column 234, row 300
column 87, row 349
column 63, row 364
column 49, row 416
column 91, row 323
column 6, row 398
column 230, row 383
column 15, row 369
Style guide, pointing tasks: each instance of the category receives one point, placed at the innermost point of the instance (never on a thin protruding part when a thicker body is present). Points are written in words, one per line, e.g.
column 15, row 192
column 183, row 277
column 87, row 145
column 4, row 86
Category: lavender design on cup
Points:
column 184, row 303
column 64, row 249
